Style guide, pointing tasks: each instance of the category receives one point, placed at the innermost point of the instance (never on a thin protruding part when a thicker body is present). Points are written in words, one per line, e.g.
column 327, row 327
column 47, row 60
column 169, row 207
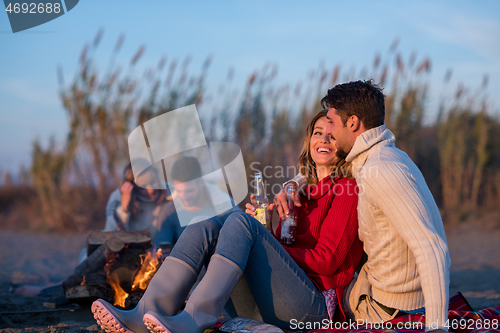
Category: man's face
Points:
column 340, row 133
column 189, row 193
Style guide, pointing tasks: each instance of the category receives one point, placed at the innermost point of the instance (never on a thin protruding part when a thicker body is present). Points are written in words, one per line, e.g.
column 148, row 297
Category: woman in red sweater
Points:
column 327, row 246
column 292, row 287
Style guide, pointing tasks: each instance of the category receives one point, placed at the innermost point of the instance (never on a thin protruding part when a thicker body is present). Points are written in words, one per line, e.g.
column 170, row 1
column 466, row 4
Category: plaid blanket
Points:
column 461, row 319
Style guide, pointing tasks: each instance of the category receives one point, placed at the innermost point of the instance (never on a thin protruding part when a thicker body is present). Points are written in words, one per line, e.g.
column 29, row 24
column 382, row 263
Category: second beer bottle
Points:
column 289, row 224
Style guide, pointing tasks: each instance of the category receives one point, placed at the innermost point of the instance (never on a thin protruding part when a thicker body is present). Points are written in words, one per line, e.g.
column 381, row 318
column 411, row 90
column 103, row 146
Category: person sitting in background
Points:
column 130, row 207
column 134, row 207
column 192, row 197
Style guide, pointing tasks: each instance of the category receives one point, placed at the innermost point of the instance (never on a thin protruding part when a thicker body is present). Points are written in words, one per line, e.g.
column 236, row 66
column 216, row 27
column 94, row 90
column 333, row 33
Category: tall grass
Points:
column 67, row 185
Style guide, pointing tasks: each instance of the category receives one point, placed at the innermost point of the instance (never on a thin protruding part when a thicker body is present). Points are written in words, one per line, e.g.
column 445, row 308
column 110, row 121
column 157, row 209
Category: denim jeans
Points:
column 281, row 290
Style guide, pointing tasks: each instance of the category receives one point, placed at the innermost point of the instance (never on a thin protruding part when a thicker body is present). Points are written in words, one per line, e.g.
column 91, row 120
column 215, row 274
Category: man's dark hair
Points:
column 186, row 168
column 363, row 99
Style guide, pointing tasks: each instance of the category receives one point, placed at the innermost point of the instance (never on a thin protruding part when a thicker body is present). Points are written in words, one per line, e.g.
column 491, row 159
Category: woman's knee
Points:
column 241, row 223
column 240, row 219
column 204, row 224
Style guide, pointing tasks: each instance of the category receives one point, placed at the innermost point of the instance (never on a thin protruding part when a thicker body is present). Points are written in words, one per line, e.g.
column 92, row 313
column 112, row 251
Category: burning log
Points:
column 118, row 269
column 114, row 245
column 126, row 276
column 97, row 259
column 87, row 293
column 150, row 263
column 94, row 262
column 137, row 239
column 133, row 299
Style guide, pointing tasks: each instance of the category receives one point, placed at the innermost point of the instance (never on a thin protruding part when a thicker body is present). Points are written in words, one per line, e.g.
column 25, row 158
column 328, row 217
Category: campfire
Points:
column 119, row 268
column 150, row 263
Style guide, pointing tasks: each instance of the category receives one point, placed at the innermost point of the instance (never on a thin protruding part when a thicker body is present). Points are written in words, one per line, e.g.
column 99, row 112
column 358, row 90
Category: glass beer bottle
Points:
column 261, row 200
column 289, row 224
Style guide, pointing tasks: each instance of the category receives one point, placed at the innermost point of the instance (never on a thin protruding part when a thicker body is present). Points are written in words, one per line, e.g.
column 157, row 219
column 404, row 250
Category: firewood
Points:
column 133, row 299
column 138, row 239
column 94, row 262
column 73, row 280
column 96, row 278
column 132, row 258
column 124, row 275
column 114, row 244
column 88, row 293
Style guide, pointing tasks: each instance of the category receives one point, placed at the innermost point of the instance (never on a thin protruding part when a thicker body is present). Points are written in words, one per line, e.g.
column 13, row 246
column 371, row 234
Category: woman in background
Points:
column 134, row 207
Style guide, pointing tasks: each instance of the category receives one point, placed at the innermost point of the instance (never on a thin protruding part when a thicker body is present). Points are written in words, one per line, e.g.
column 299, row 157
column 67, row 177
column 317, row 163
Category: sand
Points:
column 475, row 262
column 28, row 258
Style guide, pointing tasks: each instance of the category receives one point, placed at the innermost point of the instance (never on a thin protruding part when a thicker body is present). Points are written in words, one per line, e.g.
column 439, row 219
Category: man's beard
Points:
column 341, row 153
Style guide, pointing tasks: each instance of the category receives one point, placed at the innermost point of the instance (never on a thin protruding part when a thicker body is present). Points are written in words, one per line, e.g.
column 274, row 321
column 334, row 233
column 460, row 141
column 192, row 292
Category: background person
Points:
column 134, row 207
column 193, row 198
column 129, row 207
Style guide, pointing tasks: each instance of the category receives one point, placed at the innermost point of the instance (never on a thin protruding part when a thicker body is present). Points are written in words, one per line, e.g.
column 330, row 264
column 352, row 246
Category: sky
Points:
column 296, row 35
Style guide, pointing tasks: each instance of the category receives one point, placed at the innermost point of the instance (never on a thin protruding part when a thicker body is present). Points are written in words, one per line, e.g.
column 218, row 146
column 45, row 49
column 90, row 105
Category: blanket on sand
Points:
column 461, row 319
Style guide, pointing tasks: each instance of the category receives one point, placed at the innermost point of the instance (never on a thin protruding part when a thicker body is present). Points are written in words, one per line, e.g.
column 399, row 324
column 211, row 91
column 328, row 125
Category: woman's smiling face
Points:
column 322, row 145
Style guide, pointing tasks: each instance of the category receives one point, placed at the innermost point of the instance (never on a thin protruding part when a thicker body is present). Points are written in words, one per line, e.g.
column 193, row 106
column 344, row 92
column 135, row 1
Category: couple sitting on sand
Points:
column 356, row 187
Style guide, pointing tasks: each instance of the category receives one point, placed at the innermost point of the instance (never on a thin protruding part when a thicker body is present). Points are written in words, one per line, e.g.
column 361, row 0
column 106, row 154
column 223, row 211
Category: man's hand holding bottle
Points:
column 281, row 202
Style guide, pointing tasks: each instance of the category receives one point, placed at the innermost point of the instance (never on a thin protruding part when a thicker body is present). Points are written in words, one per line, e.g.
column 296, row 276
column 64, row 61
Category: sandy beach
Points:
column 41, row 259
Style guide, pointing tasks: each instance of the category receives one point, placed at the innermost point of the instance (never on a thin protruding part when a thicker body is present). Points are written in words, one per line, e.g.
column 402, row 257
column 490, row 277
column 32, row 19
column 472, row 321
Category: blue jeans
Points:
column 280, row 288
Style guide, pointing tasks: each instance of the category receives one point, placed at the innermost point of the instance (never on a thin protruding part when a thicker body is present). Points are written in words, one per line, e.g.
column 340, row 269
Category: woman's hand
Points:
column 250, row 210
column 126, row 190
column 250, row 207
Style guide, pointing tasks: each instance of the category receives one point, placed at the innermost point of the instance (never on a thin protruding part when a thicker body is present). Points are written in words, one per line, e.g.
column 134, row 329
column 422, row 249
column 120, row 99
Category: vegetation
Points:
column 67, row 184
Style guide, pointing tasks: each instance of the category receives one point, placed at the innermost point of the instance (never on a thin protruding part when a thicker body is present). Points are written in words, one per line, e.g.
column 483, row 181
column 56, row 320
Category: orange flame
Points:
column 83, row 281
column 119, row 295
column 149, row 265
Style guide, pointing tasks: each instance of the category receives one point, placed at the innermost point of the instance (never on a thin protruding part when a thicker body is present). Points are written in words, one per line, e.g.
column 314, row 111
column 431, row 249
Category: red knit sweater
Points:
column 327, row 246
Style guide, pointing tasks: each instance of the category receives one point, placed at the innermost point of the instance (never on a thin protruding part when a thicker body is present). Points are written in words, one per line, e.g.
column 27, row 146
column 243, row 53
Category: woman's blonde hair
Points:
column 306, row 164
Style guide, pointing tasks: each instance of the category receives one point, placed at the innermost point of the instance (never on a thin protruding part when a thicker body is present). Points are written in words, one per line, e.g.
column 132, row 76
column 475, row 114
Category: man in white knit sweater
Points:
column 399, row 221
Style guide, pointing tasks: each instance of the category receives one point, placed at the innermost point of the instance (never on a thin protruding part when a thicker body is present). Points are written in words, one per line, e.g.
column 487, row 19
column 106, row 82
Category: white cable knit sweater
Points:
column 401, row 228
